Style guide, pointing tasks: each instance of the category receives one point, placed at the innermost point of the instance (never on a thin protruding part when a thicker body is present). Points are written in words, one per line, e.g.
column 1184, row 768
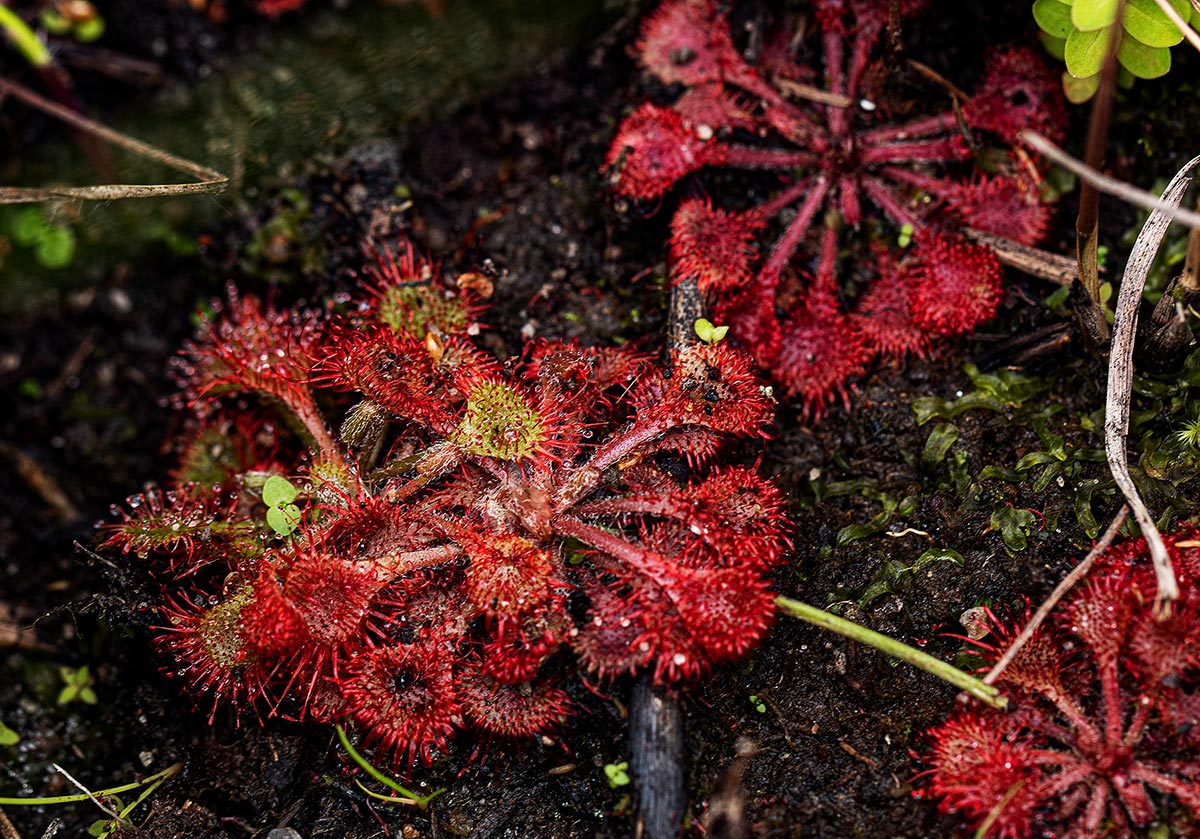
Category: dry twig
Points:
column 7, row 829
column 1112, row 186
column 1043, row 264
column 210, row 180
column 1120, row 380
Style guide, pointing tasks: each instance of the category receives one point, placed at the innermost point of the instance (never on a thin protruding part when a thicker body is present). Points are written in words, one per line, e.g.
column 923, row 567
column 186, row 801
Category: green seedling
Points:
column 758, row 704
column 77, row 686
column 282, row 515
column 708, row 333
column 617, row 774
column 119, row 816
column 1015, row 525
column 53, row 245
column 406, row 796
column 8, row 737
column 993, row 391
column 893, row 573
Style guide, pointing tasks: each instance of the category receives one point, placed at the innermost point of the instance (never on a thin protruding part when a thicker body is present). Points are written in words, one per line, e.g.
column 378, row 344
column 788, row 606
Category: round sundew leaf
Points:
column 1080, row 90
column 1146, row 22
column 1090, row 15
column 278, row 491
column 1054, row 17
column 1143, row 61
column 1085, row 52
column 284, row 519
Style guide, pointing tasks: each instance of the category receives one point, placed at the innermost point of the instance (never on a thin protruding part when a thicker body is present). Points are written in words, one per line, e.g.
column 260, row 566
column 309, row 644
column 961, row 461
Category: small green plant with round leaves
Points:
column 282, row 514
column 77, row 686
column 709, row 333
column 617, row 774
column 1079, row 32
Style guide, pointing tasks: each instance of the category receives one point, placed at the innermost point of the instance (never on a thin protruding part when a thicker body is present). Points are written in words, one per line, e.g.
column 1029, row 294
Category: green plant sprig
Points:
column 155, row 779
column 1078, row 32
column 890, row 646
column 408, row 796
column 24, row 39
column 107, row 827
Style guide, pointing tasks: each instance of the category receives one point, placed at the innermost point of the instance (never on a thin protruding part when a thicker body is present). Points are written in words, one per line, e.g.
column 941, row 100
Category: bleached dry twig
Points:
column 210, row 180
column 1102, row 182
column 1120, row 379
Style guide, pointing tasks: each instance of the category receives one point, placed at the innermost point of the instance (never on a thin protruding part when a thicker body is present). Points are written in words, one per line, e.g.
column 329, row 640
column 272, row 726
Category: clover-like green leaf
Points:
column 1146, row 22
column 284, row 519
column 89, row 30
column 707, row 332
column 278, row 491
column 8, row 737
column 617, row 773
column 1143, row 61
column 1090, row 15
column 1054, row 17
column 1085, row 52
column 28, row 227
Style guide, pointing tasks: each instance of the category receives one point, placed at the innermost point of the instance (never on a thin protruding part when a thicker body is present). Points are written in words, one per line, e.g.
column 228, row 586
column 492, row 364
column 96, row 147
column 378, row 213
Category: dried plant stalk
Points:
column 210, row 180
column 1120, row 380
column 1126, row 192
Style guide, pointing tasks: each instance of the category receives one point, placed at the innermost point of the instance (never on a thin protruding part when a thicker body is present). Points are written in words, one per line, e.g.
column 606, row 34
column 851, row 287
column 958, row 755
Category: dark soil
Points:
column 515, row 180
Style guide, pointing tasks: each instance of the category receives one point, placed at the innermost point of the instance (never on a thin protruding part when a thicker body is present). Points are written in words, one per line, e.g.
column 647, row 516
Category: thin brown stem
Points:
column 1087, row 223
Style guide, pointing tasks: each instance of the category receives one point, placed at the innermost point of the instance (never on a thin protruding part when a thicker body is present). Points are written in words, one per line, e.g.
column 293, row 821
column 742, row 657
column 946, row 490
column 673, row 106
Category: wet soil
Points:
column 515, row 180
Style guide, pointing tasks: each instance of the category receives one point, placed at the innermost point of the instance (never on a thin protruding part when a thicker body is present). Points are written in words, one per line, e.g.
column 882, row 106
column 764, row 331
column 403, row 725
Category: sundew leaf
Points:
column 1054, row 17
column 1143, row 61
column 1090, row 15
column 1085, row 52
column 1146, row 22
